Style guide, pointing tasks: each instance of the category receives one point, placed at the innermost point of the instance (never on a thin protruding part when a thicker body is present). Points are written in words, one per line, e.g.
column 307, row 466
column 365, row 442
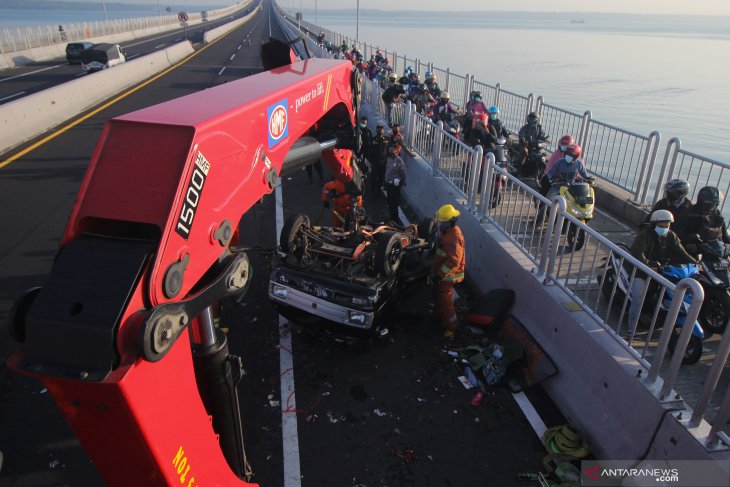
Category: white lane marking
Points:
column 159, row 46
column 12, row 96
column 132, row 56
column 530, row 413
column 221, row 71
column 81, row 74
column 179, row 39
column 238, row 48
column 32, row 72
column 289, row 432
column 232, row 56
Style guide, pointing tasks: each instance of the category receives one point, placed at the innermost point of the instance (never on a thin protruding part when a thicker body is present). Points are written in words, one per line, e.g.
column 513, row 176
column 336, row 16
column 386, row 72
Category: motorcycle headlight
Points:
column 578, row 213
column 280, row 292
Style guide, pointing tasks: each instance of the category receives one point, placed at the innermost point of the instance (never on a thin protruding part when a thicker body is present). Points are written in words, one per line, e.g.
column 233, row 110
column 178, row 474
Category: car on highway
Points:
column 102, row 56
column 345, row 283
column 74, row 50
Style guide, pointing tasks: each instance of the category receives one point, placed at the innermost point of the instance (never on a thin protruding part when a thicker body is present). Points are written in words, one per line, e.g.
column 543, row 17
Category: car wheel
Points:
column 388, row 253
column 293, row 240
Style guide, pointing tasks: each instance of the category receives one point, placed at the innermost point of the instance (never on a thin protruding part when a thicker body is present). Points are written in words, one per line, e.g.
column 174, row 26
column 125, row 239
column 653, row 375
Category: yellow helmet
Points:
column 447, row 213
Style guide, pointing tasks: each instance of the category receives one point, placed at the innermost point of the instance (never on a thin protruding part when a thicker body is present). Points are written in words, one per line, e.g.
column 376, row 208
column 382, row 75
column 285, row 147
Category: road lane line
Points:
column 289, row 432
column 106, row 105
column 132, row 56
column 530, row 413
column 161, row 45
column 221, row 71
column 13, row 95
column 232, row 56
column 82, row 73
column 32, row 72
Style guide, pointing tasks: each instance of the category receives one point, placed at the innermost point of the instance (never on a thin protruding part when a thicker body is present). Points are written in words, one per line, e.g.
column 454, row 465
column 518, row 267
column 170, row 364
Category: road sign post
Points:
column 183, row 18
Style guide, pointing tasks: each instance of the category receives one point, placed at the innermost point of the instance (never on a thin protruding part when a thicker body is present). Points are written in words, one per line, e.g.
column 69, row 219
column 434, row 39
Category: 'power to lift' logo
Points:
column 278, row 115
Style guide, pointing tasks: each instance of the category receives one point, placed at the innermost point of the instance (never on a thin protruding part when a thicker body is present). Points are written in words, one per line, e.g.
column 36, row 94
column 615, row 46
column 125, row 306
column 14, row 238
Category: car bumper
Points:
column 345, row 317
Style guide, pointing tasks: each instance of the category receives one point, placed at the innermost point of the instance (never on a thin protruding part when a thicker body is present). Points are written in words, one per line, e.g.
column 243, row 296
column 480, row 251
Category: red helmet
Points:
column 566, row 139
column 481, row 120
column 574, row 150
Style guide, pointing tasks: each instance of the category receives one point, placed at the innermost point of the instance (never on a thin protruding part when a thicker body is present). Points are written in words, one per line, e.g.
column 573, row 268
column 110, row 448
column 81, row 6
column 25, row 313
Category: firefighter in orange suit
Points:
column 341, row 201
column 448, row 267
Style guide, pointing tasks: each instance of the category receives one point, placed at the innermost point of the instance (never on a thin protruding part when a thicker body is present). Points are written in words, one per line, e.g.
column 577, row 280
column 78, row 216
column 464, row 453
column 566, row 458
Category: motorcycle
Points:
column 580, row 201
column 501, row 159
column 715, row 280
column 673, row 273
column 531, row 161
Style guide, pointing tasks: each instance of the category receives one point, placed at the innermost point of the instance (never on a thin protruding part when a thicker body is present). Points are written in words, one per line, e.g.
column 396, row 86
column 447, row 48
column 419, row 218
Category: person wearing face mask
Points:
column 366, row 139
column 675, row 200
column 702, row 222
column 447, row 268
column 570, row 166
column 654, row 246
column 495, row 128
column 558, row 154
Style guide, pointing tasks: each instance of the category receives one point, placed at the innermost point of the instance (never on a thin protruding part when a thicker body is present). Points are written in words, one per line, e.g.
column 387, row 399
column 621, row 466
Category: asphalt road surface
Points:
column 389, row 414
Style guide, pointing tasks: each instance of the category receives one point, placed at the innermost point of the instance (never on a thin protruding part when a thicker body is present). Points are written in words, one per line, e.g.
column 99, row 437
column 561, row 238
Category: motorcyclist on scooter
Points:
column 570, row 166
column 495, row 129
column 431, row 84
column 675, row 199
column 656, row 246
column 475, row 106
column 558, row 154
column 478, row 135
column 702, row 222
column 444, row 110
column 531, row 134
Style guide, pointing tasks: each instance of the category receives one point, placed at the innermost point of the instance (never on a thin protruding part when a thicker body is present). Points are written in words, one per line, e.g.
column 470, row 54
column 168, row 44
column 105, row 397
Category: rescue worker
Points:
column 675, row 200
column 378, row 153
column 395, row 179
column 655, row 246
column 447, row 268
column 341, row 201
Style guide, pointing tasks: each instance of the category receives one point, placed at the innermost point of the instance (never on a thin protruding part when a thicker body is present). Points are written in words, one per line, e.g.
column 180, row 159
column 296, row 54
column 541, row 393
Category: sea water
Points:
column 640, row 73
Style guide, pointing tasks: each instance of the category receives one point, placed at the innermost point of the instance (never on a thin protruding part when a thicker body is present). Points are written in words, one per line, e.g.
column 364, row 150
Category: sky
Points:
column 695, row 7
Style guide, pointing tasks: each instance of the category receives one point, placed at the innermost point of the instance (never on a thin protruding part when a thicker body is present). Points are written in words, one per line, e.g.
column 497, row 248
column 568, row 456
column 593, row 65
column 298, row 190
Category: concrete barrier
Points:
column 225, row 28
column 22, row 120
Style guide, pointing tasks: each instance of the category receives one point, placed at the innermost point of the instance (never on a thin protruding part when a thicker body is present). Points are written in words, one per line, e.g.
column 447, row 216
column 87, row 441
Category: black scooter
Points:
column 715, row 280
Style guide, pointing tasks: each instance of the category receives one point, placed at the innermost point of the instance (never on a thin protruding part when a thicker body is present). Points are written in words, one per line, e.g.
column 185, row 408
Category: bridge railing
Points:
column 595, row 272
column 621, row 157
